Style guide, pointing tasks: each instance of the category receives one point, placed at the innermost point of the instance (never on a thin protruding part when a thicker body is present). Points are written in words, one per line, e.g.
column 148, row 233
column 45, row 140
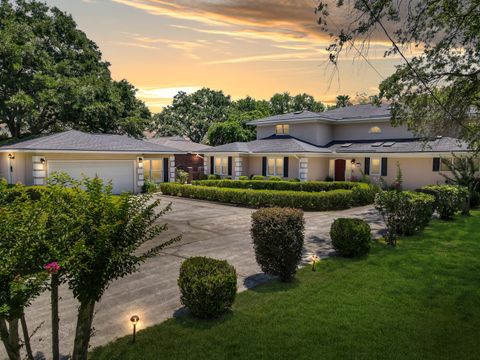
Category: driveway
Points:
column 208, row 229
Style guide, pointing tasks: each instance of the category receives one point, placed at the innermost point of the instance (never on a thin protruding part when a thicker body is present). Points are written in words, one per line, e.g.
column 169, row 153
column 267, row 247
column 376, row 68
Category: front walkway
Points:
column 208, row 229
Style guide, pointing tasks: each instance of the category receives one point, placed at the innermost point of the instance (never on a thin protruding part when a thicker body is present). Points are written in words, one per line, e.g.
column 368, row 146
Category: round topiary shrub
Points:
column 350, row 237
column 275, row 178
column 278, row 236
column 208, row 286
column 243, row 178
column 258, row 177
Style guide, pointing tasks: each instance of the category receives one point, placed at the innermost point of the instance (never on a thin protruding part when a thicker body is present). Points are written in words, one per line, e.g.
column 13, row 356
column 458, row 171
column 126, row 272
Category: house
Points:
column 127, row 162
column 192, row 161
column 340, row 144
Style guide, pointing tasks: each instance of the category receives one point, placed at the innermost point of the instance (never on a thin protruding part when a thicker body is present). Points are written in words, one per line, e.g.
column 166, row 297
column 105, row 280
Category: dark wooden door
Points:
column 340, row 166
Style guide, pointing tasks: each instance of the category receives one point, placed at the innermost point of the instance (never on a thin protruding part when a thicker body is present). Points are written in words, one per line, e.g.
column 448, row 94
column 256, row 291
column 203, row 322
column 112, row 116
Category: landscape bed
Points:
column 320, row 200
column 420, row 300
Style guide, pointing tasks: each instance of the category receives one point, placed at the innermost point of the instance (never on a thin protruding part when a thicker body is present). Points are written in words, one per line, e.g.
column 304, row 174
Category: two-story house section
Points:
column 340, row 144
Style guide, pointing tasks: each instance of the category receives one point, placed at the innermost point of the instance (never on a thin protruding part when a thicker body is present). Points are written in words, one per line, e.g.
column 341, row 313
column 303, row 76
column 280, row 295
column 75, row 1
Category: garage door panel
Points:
column 119, row 172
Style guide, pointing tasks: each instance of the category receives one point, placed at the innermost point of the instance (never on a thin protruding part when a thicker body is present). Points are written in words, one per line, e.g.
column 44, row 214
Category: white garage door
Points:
column 119, row 172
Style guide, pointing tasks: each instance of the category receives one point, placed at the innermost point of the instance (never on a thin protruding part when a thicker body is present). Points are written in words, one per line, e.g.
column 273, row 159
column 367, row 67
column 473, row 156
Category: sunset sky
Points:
column 243, row 47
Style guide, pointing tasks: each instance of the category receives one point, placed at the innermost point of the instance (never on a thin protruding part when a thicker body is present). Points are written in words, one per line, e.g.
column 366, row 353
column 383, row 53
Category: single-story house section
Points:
column 192, row 161
column 340, row 144
column 127, row 162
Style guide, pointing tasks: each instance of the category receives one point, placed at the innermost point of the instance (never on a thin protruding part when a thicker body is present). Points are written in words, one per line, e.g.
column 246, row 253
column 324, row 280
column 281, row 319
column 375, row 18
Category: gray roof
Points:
column 441, row 144
column 73, row 140
column 363, row 112
column 179, row 143
column 273, row 144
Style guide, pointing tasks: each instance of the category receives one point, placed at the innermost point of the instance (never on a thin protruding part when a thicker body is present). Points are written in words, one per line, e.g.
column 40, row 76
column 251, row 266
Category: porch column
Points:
column 172, row 168
column 238, row 167
column 39, row 173
column 140, row 172
column 303, row 169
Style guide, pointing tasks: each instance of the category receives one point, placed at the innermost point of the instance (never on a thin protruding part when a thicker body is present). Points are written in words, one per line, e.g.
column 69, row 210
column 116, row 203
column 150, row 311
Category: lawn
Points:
column 420, row 300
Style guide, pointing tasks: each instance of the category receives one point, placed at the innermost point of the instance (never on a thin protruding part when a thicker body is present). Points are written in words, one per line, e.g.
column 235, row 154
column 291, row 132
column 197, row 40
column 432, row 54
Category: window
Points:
column 153, row 170
column 375, row 167
column 221, row 165
column 443, row 166
column 375, row 130
column 282, row 129
column 275, row 166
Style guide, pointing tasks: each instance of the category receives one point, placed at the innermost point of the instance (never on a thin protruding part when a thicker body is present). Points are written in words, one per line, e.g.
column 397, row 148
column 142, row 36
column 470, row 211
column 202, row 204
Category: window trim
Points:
column 282, row 127
column 223, row 167
column 149, row 176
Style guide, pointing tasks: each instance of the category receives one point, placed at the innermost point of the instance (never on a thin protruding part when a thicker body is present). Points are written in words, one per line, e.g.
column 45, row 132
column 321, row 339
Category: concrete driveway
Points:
column 208, row 229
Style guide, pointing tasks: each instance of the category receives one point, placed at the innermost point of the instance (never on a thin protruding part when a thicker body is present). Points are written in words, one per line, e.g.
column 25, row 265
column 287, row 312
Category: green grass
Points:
column 420, row 300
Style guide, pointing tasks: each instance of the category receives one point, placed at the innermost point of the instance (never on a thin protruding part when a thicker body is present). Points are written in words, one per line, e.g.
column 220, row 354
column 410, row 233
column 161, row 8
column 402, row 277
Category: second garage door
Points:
column 121, row 173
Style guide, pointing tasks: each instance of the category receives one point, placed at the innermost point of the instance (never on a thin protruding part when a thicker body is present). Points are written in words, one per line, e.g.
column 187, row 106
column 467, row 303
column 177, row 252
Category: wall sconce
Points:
column 140, row 159
column 353, row 161
column 11, row 156
column 42, row 161
column 134, row 320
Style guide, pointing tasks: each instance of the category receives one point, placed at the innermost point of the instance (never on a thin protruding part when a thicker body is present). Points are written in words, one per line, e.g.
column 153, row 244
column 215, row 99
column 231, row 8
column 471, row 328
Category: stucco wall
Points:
column 361, row 131
column 315, row 133
column 317, row 169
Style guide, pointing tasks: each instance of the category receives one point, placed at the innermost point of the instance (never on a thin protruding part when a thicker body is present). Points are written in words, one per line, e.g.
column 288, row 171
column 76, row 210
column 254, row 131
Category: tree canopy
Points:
column 52, row 77
column 437, row 91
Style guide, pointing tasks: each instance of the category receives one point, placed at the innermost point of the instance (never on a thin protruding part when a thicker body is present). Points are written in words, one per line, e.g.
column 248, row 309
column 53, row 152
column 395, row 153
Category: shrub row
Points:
column 350, row 237
column 310, row 186
column 448, row 199
column 317, row 201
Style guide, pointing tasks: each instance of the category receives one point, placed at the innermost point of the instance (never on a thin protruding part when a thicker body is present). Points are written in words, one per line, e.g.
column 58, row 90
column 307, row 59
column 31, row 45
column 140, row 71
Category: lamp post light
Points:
column 134, row 320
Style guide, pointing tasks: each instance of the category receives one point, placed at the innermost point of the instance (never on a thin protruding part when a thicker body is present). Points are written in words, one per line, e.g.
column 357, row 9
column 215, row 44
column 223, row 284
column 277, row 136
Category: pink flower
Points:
column 52, row 268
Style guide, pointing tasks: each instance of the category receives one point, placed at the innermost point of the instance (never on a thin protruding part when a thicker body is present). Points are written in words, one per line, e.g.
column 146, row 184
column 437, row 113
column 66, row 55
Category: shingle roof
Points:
column 73, row 140
column 273, row 144
column 441, row 144
column 180, row 143
column 348, row 113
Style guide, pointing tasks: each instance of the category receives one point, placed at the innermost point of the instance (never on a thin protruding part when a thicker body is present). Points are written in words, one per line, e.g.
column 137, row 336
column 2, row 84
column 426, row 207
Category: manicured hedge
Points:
column 448, row 199
column 350, row 237
column 317, row 201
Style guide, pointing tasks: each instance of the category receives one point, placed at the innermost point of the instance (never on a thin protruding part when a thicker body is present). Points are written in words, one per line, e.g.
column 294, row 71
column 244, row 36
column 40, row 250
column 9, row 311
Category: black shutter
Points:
column 264, row 166
column 166, row 170
column 285, row 167
column 436, row 164
column 384, row 166
column 212, row 165
column 367, row 166
column 230, row 163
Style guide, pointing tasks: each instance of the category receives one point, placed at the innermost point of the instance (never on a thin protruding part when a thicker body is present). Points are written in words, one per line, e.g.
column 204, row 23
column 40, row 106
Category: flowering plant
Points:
column 314, row 259
column 52, row 268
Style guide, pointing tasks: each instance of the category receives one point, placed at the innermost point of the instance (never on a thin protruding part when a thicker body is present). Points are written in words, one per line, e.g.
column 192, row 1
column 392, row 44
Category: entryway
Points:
column 340, row 167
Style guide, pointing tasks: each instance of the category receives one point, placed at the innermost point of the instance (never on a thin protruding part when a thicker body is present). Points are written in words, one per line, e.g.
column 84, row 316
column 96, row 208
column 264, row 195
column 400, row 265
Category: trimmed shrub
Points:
column 258, row 177
column 181, row 176
column 208, row 286
column 149, row 187
column 294, row 180
column 404, row 212
column 214, row 177
column 243, row 178
column 278, row 236
column 350, row 237
column 315, row 201
column 275, row 178
column 448, row 199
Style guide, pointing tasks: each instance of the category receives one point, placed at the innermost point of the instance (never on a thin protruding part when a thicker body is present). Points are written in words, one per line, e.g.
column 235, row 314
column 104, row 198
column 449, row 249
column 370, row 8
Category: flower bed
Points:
column 316, row 201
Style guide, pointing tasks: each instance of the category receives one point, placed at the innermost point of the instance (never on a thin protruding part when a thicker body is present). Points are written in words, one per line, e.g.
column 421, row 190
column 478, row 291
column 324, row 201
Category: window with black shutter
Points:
column 212, row 165
column 367, row 166
column 285, row 167
column 230, row 165
column 436, row 164
column 166, row 170
column 384, row 166
column 264, row 166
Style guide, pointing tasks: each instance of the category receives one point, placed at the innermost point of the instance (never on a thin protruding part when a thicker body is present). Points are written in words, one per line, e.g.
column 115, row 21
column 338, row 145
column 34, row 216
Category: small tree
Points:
column 464, row 172
column 111, row 231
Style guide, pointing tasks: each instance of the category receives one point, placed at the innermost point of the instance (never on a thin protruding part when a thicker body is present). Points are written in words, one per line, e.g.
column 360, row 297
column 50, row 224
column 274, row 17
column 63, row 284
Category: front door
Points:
column 340, row 166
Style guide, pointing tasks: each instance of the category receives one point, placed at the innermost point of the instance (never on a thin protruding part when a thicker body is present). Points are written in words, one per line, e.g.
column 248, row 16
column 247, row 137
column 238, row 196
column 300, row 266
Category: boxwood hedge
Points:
column 315, row 201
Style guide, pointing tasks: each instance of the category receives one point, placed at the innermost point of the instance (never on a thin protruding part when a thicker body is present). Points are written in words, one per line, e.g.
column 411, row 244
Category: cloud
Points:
column 270, row 57
column 165, row 93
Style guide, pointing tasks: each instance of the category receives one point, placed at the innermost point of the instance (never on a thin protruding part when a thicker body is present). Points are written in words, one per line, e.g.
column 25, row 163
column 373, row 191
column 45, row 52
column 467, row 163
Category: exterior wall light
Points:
column 42, row 161
column 140, row 159
column 134, row 320
column 11, row 156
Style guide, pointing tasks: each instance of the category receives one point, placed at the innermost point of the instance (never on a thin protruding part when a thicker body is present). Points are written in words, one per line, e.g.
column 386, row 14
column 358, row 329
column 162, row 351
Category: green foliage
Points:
column 227, row 132
column 243, row 178
column 404, row 212
column 192, row 115
column 208, row 286
column 214, row 177
column 350, row 237
column 149, row 187
column 294, row 180
column 274, row 178
column 258, row 177
column 315, row 201
column 278, row 237
column 343, row 101
column 53, row 77
column 448, row 199
column 181, row 176
column 285, row 103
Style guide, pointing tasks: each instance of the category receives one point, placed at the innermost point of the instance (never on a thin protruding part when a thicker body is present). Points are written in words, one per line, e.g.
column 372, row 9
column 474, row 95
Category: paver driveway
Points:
column 208, row 229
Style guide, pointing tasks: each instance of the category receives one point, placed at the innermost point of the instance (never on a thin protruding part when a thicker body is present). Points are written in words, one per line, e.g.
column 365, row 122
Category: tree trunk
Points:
column 26, row 338
column 9, row 335
column 55, row 318
column 83, row 330
column 466, row 206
